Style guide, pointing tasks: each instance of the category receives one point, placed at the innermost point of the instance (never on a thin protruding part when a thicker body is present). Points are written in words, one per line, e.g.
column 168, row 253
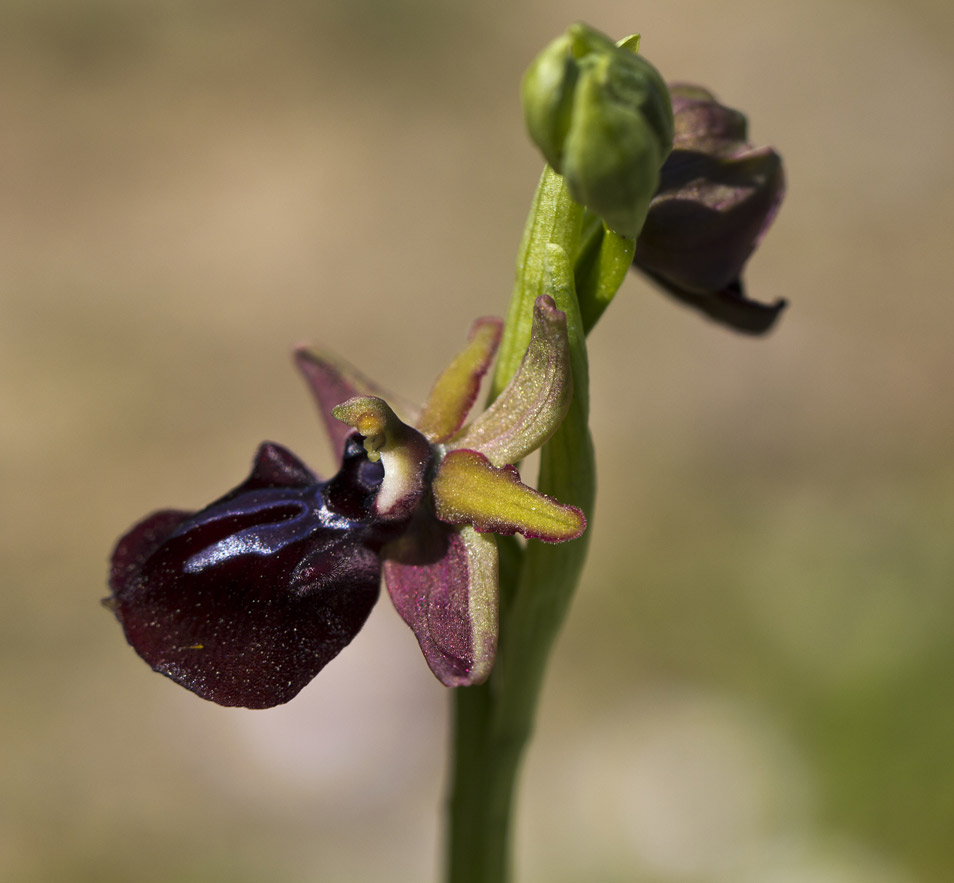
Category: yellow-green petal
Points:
column 469, row 489
column 454, row 392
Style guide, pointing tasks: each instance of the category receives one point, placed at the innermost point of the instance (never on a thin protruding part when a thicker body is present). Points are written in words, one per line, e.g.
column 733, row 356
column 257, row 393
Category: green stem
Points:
column 493, row 722
column 555, row 219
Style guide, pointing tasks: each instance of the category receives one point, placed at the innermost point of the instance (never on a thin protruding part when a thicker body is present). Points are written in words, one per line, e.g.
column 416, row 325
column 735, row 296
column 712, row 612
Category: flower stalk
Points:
column 578, row 244
column 493, row 721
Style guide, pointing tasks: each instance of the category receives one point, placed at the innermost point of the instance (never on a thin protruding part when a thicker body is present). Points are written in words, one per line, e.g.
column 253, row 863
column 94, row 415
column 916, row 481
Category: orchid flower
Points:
column 717, row 197
column 245, row 601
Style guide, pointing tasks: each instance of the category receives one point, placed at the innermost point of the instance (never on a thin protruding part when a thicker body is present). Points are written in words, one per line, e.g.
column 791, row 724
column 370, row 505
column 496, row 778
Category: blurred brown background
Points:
column 757, row 681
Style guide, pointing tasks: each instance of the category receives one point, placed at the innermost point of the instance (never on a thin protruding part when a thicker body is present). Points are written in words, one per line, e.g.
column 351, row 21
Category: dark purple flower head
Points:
column 245, row 601
column 716, row 198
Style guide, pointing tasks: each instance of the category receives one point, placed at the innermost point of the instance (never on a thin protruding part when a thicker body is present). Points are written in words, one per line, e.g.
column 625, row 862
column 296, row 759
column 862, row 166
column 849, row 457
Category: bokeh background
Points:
column 756, row 684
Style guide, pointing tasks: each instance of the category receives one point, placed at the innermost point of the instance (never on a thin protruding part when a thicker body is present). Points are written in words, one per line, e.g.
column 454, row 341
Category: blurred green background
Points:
column 757, row 681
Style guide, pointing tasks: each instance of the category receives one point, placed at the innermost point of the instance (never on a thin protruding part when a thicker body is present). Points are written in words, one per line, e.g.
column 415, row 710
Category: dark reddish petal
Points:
column 331, row 382
column 709, row 215
column 247, row 600
column 730, row 306
column 275, row 466
column 443, row 582
column 134, row 549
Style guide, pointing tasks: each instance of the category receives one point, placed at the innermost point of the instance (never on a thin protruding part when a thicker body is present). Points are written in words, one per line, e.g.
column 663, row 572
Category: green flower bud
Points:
column 601, row 116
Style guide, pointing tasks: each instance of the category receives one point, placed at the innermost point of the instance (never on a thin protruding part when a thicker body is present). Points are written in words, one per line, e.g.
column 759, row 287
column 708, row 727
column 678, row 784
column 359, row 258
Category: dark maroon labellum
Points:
column 247, row 600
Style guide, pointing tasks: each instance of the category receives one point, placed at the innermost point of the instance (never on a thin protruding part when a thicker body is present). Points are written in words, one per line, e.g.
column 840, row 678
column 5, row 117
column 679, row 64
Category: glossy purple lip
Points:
column 247, row 600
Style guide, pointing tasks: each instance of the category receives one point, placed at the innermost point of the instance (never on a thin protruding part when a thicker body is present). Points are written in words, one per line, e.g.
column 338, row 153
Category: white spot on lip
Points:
column 230, row 547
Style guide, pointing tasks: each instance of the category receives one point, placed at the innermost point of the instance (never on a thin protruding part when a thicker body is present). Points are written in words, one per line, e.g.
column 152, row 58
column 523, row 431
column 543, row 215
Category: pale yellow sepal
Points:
column 534, row 403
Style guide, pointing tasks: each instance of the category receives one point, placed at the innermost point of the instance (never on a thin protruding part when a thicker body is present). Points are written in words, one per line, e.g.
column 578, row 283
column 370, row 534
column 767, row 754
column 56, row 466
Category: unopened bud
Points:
column 600, row 115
